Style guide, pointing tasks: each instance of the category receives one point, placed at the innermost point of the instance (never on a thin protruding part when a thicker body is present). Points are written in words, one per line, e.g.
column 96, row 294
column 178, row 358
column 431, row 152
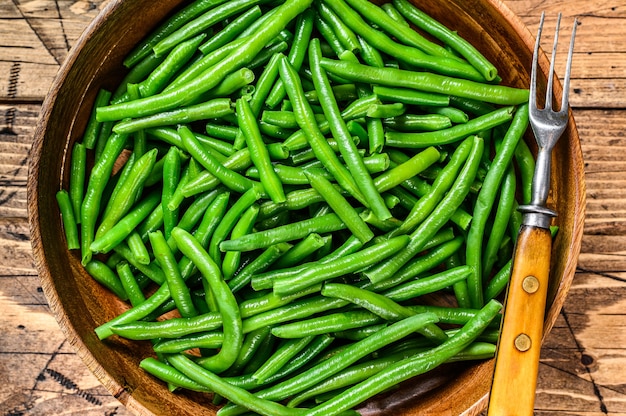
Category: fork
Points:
column 517, row 359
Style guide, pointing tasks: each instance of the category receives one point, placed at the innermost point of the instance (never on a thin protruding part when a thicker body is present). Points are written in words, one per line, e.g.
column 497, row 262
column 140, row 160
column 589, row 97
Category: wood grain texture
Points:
column 584, row 358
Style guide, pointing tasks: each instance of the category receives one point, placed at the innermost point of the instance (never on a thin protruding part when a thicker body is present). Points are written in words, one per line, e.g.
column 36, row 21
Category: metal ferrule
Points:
column 536, row 216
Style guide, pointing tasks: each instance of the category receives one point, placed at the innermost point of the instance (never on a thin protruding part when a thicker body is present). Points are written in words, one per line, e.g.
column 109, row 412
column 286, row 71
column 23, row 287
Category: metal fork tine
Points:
column 551, row 75
column 533, row 71
column 568, row 70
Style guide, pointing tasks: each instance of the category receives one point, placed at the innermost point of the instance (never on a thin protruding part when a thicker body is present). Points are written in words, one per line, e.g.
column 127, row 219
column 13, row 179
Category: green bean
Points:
column 344, row 34
column 526, row 164
column 214, row 108
column 69, row 221
column 500, row 223
column 258, row 265
column 228, row 177
column 340, row 206
column 427, row 82
column 98, row 179
column 169, row 329
column 198, row 66
column 436, row 219
column 344, row 358
column 211, row 340
column 258, row 152
column 178, row 19
column 170, row 375
column 328, row 34
column 151, row 270
column 294, row 231
column 440, row 186
column 312, row 350
column 304, row 29
column 421, row 264
column 121, row 202
column 226, row 302
column 93, row 128
column 409, row 54
column 251, row 348
column 448, row 37
column 175, row 60
column 400, row 173
column 498, row 282
column 386, row 110
column 339, row 130
column 290, row 311
column 78, row 169
column 231, row 30
column 303, row 249
column 201, row 23
column 326, row 324
column 410, row 367
column 418, row 122
column 229, row 220
column 407, row 96
column 106, row 277
column 234, row 394
column 379, row 305
column 244, row 225
column 451, row 134
column 316, row 140
column 485, row 201
column 454, row 114
column 280, row 357
column 178, row 290
column 129, row 283
column 204, row 232
column 126, row 225
column 234, row 83
column 138, row 247
column 221, row 131
column 211, row 76
column 429, row 284
column 285, row 119
column 318, row 273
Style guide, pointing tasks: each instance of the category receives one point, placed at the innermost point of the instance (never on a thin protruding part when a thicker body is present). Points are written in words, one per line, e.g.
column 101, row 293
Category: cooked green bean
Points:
column 318, row 273
column 98, row 179
column 340, row 206
column 410, row 367
column 69, row 221
column 304, row 28
column 93, row 128
column 178, row 289
column 244, row 225
column 447, row 36
column 339, row 130
column 233, row 29
column 258, row 152
column 226, row 302
column 409, row 54
column 427, row 82
column 485, row 201
column 130, row 284
column 436, row 219
column 78, row 172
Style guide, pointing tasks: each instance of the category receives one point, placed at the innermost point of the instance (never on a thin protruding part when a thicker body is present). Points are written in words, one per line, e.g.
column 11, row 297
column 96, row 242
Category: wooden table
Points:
column 583, row 367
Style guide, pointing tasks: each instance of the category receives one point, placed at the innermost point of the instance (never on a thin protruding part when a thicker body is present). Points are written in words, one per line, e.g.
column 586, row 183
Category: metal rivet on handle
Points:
column 530, row 284
column 523, row 342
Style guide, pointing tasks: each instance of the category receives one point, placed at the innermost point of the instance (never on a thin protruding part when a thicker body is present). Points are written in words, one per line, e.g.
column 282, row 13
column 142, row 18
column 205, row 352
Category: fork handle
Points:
column 519, row 346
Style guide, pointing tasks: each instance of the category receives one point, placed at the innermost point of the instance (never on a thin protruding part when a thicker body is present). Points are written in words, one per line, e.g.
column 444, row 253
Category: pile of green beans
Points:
column 302, row 203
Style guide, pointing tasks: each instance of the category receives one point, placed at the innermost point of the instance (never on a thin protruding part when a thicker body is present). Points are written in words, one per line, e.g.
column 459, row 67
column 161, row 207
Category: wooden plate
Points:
column 80, row 304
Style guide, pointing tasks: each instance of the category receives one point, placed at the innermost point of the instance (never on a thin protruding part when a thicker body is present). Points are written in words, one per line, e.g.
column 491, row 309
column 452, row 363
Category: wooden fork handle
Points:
column 517, row 359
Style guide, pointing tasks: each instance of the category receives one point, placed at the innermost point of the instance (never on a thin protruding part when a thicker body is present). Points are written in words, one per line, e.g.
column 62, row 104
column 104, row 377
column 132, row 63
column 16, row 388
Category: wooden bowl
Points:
column 80, row 304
